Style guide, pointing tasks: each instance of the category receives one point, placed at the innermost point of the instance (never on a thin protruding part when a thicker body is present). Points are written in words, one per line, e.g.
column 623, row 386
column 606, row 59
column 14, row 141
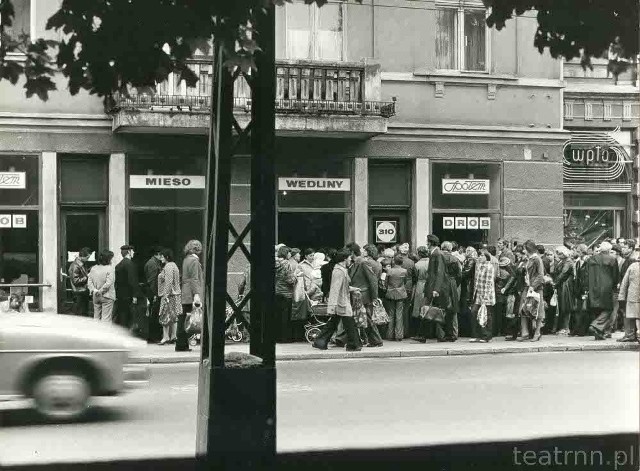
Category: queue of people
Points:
column 165, row 297
column 444, row 291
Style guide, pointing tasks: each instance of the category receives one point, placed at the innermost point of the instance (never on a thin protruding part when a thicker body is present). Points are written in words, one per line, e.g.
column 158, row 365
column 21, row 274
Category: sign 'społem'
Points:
column 456, row 186
column 13, row 180
column 184, row 182
column 314, row 184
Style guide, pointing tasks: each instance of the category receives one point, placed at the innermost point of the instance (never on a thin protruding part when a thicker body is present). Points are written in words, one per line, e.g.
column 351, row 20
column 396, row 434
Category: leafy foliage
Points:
column 576, row 28
column 109, row 46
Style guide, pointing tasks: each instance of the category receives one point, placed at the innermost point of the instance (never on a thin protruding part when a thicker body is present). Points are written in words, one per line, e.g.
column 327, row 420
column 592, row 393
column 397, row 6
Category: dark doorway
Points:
column 315, row 230
column 79, row 228
column 171, row 229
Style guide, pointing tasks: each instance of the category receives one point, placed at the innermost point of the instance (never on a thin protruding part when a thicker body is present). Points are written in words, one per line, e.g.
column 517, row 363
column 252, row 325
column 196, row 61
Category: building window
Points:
column 21, row 22
column 19, row 227
column 461, row 38
column 315, row 33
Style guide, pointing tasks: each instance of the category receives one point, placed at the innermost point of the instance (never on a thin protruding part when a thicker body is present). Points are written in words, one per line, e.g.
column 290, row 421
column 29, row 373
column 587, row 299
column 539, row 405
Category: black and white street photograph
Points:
column 319, row 234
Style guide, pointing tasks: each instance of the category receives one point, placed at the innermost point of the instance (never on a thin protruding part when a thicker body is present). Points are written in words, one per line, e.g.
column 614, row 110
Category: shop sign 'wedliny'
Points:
column 160, row 182
column 313, row 184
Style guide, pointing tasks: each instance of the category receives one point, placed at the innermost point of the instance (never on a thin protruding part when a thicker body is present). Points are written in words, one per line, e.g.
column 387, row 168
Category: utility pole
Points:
column 237, row 397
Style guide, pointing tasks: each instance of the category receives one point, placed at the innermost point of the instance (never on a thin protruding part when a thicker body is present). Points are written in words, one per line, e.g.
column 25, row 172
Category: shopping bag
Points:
column 482, row 315
column 511, row 301
column 554, row 298
column 300, row 310
column 193, row 322
column 360, row 317
column 379, row 315
column 432, row 313
column 531, row 304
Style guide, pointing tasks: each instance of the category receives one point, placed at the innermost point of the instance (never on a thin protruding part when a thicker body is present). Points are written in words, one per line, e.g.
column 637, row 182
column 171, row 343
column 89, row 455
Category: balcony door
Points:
column 315, row 33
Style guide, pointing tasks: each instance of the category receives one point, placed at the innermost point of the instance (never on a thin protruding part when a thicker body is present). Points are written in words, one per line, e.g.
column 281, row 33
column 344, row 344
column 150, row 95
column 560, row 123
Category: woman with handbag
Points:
column 484, row 299
column 339, row 306
column 192, row 289
column 422, row 268
column 170, row 297
column 532, row 298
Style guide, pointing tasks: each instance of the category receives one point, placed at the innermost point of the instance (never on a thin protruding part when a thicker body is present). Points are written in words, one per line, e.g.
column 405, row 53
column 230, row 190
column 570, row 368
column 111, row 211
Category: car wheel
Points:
column 62, row 396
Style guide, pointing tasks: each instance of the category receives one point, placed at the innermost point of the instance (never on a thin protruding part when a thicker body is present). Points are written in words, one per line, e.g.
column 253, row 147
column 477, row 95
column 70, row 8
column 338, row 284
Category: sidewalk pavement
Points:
column 406, row 349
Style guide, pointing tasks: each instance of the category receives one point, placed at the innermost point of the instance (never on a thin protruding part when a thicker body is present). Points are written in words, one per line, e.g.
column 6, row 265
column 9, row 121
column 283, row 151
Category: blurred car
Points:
column 61, row 361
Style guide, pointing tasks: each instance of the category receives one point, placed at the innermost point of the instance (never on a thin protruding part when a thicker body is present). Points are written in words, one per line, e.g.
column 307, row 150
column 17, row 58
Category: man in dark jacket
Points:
column 127, row 287
column 152, row 269
column 453, row 271
column 435, row 291
column 412, row 278
column 79, row 276
column 581, row 319
column 603, row 279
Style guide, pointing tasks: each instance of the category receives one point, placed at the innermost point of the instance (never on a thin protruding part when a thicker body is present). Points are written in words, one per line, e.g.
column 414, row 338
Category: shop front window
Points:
column 466, row 202
column 19, row 227
column 591, row 226
column 314, row 202
column 166, row 204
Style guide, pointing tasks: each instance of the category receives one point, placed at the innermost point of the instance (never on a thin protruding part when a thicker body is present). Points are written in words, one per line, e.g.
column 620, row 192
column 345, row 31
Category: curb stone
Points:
column 369, row 353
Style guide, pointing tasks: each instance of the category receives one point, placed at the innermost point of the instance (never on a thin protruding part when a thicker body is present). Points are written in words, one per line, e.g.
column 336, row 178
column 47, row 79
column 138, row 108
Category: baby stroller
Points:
column 236, row 330
column 317, row 319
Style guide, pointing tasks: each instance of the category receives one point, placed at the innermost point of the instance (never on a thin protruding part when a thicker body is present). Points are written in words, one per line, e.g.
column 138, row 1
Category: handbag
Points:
column 531, row 304
column 193, row 322
column 482, row 315
column 511, row 302
column 432, row 313
column 379, row 315
column 360, row 317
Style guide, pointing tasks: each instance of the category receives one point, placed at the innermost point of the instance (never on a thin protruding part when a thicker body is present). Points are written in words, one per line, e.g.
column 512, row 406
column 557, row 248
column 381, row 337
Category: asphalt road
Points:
column 358, row 404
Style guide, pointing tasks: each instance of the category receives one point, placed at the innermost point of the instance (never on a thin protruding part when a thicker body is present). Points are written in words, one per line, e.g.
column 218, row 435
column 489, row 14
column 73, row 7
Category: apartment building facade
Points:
column 394, row 119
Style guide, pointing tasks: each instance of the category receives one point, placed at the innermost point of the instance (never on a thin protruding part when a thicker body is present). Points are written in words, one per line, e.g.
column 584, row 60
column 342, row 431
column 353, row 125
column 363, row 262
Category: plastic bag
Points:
column 193, row 322
column 379, row 315
column 554, row 298
column 482, row 315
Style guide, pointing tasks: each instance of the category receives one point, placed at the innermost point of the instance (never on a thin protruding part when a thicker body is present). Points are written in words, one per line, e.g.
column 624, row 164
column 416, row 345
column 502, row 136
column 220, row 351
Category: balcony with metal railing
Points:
column 341, row 99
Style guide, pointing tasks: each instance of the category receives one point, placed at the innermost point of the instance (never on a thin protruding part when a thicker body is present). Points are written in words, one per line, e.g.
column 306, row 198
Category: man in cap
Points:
column 127, row 287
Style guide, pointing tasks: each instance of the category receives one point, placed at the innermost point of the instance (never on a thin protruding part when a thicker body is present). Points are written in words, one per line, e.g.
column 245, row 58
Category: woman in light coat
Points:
column 192, row 289
column 101, row 286
column 170, row 297
column 630, row 292
column 339, row 306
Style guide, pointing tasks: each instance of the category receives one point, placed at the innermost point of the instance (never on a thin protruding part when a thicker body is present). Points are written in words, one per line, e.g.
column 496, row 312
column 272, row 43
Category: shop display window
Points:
column 19, row 180
column 314, row 168
column 467, row 202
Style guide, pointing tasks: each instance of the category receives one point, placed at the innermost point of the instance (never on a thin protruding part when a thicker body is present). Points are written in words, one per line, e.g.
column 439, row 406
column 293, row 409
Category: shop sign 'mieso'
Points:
column 167, row 181
column 314, row 184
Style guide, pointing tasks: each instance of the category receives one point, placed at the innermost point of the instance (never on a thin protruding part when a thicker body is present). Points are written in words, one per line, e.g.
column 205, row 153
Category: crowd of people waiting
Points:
column 519, row 291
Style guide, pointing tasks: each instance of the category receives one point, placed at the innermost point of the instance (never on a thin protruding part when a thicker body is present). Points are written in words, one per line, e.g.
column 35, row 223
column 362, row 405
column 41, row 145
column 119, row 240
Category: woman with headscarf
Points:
column 467, row 288
column 505, row 270
column 563, row 280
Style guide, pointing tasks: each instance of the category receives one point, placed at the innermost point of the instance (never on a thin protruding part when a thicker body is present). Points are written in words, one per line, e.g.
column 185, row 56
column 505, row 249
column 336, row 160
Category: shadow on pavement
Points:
column 610, row 452
column 29, row 417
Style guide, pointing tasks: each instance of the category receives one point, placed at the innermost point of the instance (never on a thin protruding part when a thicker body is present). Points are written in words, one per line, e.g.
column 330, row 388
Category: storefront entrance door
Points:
column 388, row 228
column 78, row 228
